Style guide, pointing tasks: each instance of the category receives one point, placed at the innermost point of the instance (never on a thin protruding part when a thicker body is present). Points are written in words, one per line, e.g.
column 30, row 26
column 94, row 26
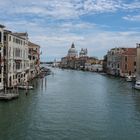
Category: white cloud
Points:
column 131, row 6
column 101, row 5
column 55, row 24
column 65, row 9
column 132, row 17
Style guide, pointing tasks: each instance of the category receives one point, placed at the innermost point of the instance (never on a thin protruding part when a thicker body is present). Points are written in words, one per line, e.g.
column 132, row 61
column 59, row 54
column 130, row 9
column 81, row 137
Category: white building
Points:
column 94, row 67
column 1, row 57
column 83, row 53
column 16, row 58
column 72, row 52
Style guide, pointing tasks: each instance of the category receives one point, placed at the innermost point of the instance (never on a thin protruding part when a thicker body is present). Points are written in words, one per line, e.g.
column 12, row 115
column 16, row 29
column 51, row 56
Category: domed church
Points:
column 83, row 53
column 72, row 52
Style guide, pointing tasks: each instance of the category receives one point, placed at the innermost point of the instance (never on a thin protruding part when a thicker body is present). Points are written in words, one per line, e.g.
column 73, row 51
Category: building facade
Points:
column 69, row 61
column 1, row 57
column 121, row 61
column 138, row 61
column 16, row 65
column 34, row 59
column 72, row 52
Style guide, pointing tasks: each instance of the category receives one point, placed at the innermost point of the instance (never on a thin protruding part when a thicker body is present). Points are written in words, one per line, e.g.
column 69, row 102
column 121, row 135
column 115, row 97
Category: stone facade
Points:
column 19, row 59
column 16, row 58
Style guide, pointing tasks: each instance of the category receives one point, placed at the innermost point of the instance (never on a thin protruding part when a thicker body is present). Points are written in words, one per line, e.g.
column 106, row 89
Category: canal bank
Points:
column 73, row 105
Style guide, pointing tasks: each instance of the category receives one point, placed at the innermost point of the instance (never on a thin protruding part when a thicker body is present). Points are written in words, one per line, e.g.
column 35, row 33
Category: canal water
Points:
column 73, row 105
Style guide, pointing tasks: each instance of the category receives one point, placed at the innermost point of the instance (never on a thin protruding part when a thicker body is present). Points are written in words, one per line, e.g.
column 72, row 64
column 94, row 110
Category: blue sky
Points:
column 97, row 25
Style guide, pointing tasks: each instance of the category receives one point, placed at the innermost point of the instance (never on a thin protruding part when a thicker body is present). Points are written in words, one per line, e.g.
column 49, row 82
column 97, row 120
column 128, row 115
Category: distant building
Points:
column 138, row 62
column 81, row 62
column 69, row 61
column 34, row 59
column 105, row 64
column 121, row 61
column 83, row 53
column 64, row 62
column 72, row 52
column 93, row 64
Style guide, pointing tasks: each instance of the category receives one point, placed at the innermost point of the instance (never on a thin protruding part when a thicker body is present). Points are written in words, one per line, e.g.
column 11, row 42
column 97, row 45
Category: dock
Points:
column 8, row 96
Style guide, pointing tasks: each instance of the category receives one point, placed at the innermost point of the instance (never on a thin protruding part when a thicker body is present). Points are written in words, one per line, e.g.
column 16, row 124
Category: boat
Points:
column 25, row 87
column 137, row 85
column 129, row 78
column 9, row 96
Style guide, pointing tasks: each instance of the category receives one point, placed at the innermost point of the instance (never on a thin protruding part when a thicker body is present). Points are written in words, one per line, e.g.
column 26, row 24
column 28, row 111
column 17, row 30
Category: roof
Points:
column 14, row 34
column 130, row 51
column 21, row 33
column 33, row 44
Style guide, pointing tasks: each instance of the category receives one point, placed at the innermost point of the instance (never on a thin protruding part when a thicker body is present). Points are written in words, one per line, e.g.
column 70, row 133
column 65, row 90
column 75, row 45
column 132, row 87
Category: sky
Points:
column 97, row 25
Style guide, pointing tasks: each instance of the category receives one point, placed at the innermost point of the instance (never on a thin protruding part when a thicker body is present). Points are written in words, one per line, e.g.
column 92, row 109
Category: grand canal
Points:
column 73, row 105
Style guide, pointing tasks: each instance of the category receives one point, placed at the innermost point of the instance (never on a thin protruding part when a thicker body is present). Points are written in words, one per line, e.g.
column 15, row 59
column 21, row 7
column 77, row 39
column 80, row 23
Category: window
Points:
column 0, row 80
column 17, row 52
column 5, row 38
column 9, row 38
column 29, row 57
column 118, row 66
column 4, row 51
column 125, row 66
column 125, row 58
column 135, row 63
column 17, row 65
column 112, row 65
column 13, row 39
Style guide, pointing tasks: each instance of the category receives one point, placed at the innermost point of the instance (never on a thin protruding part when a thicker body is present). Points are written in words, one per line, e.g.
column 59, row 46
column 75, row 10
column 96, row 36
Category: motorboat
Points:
column 137, row 85
column 25, row 87
column 129, row 78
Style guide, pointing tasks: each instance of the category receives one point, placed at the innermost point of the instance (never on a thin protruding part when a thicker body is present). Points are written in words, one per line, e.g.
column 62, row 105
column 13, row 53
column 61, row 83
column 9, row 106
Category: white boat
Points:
column 137, row 85
column 129, row 78
column 25, row 87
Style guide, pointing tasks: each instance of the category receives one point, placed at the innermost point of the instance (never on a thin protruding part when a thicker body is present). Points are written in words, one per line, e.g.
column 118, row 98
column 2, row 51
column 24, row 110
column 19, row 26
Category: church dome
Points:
column 83, row 52
column 72, row 51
